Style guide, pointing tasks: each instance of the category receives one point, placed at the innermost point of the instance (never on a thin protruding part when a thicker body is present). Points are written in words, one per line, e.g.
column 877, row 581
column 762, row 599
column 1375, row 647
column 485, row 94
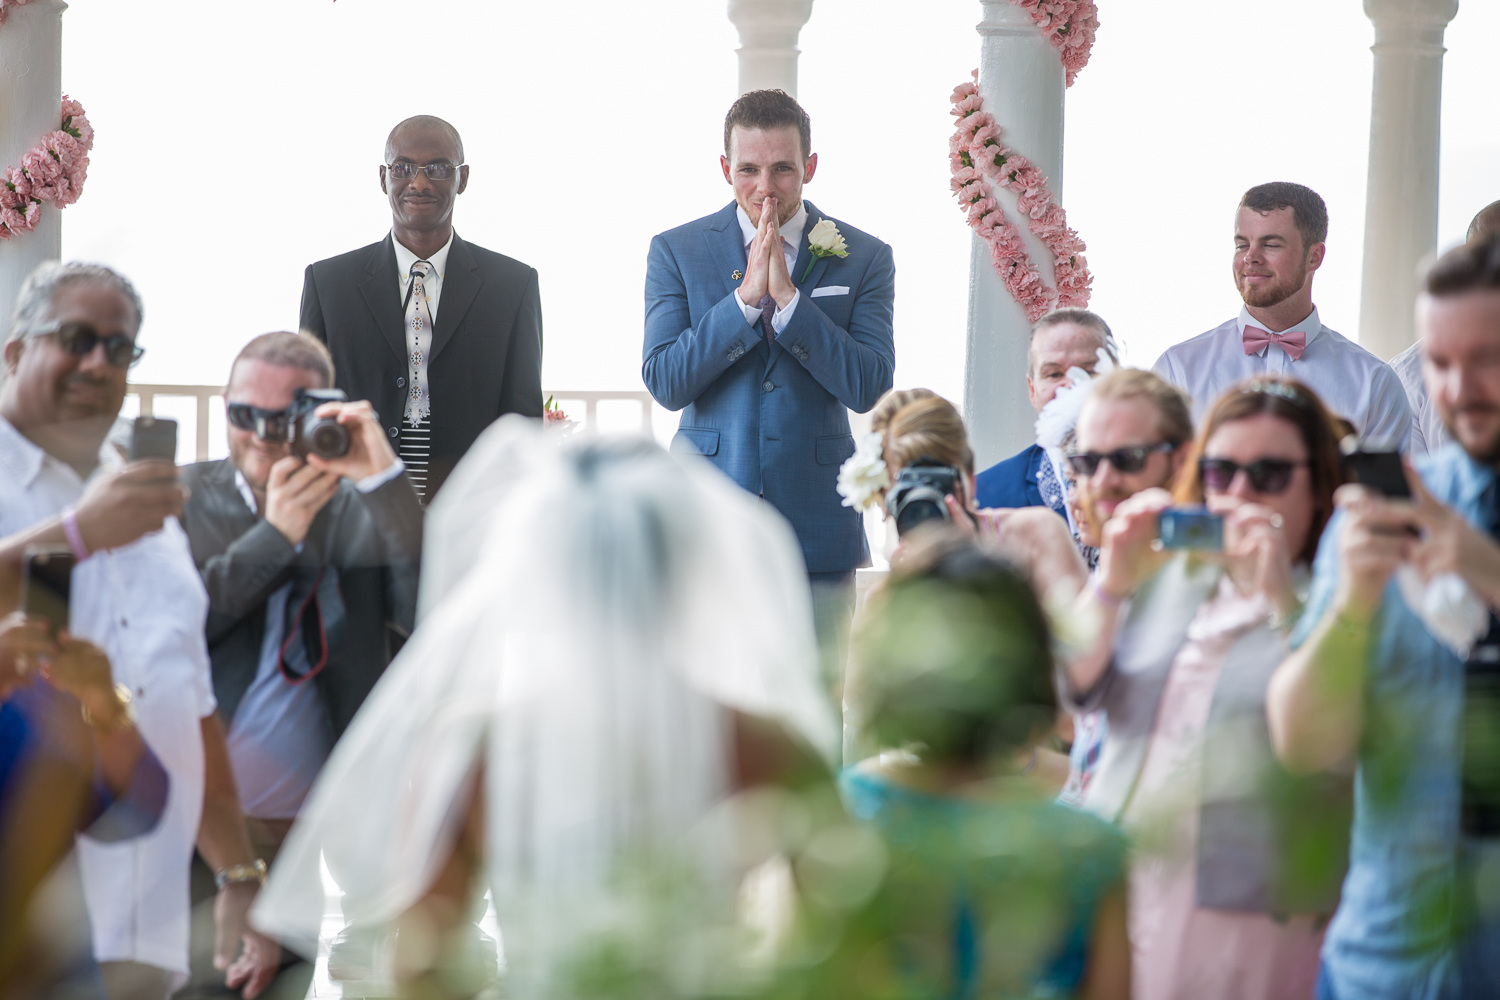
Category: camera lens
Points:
column 917, row 506
column 328, row 439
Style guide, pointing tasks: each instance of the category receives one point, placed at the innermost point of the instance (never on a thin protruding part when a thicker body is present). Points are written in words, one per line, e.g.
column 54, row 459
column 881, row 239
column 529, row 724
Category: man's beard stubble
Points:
column 1263, row 297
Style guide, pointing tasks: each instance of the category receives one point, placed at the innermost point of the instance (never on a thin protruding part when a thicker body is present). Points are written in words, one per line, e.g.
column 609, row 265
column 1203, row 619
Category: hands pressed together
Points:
column 765, row 265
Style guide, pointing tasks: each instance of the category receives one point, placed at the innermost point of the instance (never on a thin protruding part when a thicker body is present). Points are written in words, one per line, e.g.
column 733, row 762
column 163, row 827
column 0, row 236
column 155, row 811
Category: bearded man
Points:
column 1278, row 246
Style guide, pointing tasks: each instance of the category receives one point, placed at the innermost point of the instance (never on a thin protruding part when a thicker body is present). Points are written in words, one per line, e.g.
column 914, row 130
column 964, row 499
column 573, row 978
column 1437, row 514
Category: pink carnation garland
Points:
column 53, row 171
column 6, row 5
column 979, row 158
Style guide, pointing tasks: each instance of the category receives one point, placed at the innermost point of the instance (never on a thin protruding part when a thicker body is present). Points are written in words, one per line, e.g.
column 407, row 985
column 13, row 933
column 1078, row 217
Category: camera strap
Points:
column 314, row 623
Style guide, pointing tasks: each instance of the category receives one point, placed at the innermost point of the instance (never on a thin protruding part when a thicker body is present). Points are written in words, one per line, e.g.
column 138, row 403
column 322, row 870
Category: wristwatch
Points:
column 241, row 873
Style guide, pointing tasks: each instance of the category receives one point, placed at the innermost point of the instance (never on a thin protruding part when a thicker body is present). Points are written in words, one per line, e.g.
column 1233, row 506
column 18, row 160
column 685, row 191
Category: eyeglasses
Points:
column 434, row 171
column 1127, row 460
column 1266, row 475
column 80, row 339
column 268, row 425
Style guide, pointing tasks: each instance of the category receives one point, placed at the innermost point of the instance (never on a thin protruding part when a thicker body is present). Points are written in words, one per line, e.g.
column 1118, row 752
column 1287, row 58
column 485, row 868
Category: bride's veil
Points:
column 589, row 609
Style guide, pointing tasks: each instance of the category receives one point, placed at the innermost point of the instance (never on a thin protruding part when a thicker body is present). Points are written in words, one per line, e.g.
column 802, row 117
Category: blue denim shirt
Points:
column 1392, row 934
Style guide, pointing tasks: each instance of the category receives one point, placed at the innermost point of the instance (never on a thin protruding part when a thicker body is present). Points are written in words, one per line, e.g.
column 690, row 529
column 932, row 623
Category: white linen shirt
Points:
column 791, row 238
column 1427, row 431
column 145, row 606
column 1352, row 382
column 433, row 283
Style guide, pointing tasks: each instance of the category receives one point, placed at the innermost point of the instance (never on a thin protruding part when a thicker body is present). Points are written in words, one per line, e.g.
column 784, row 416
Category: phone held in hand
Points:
column 153, row 437
column 1191, row 528
column 1381, row 471
column 47, row 583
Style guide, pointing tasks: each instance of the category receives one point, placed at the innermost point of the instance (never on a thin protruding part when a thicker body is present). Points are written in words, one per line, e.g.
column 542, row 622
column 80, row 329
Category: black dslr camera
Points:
column 321, row 436
column 919, row 494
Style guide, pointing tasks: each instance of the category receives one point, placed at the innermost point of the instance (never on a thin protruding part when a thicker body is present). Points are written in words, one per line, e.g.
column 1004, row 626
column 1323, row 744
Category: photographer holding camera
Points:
column 308, row 538
column 1237, row 863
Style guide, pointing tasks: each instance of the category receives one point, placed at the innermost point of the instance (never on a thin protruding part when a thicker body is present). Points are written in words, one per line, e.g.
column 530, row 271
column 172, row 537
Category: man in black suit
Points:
column 311, row 571
column 437, row 377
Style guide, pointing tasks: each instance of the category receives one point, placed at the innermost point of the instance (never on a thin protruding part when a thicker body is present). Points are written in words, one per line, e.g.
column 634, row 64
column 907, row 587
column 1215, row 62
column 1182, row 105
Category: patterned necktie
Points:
column 418, row 343
column 767, row 311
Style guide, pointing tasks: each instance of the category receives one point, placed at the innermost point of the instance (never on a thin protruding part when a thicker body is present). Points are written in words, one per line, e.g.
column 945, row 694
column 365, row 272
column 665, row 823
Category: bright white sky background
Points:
column 239, row 142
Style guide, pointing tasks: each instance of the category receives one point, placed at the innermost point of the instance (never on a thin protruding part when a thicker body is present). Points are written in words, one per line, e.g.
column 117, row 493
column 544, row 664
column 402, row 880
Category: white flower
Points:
column 825, row 240
column 864, row 474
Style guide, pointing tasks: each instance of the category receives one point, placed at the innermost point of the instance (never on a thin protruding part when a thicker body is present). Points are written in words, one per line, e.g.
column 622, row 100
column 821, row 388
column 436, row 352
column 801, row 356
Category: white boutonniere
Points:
column 864, row 474
column 824, row 241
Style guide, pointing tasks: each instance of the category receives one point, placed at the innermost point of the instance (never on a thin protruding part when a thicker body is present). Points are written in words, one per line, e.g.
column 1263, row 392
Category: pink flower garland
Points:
column 5, row 6
column 1070, row 25
column 53, row 172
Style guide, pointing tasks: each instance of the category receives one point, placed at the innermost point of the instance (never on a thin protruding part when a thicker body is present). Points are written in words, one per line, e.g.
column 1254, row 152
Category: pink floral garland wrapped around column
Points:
column 53, row 171
column 6, row 5
column 979, row 158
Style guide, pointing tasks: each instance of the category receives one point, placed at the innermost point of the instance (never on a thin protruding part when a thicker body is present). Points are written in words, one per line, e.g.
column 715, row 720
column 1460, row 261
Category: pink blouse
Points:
column 1180, row 951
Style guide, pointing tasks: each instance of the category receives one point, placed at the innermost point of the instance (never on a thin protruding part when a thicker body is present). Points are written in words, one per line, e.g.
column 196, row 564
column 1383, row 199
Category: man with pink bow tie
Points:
column 1278, row 245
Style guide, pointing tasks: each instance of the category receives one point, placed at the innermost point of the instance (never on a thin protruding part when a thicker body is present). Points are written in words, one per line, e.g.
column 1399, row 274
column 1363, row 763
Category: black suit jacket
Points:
column 373, row 541
column 486, row 341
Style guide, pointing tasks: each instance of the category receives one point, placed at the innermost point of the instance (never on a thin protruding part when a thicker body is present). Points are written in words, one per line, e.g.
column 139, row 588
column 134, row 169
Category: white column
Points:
column 768, row 42
column 1022, row 82
column 1401, row 199
column 30, row 99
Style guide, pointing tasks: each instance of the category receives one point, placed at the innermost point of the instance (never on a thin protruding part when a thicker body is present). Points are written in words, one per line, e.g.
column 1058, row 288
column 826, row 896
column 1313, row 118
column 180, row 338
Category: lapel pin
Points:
column 736, row 275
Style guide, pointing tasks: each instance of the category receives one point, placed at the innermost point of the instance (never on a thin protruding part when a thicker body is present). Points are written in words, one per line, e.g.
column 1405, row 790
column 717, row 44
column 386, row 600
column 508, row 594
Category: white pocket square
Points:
column 830, row 290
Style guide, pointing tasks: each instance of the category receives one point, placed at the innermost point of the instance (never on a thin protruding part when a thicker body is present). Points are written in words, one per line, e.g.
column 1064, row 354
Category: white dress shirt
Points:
column 280, row 735
column 145, row 606
column 1352, row 382
column 434, row 281
column 1427, row 431
column 791, row 237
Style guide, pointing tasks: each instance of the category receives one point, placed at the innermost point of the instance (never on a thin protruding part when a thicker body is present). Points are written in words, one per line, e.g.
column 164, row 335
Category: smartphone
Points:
column 1191, row 528
column 1381, row 471
column 47, row 583
column 153, row 437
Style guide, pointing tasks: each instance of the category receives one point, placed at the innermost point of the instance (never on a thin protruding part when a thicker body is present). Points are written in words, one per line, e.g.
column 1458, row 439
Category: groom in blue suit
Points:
column 764, row 322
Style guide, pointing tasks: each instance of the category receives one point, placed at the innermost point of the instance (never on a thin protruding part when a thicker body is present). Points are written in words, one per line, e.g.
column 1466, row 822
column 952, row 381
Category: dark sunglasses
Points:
column 268, row 425
column 1266, row 475
column 1126, row 460
column 80, row 339
column 434, row 171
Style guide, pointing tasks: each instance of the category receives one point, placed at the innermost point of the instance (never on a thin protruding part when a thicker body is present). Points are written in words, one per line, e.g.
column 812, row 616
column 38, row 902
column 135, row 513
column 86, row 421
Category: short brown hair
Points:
column 1308, row 210
column 928, row 427
column 294, row 350
column 1173, row 415
column 766, row 110
column 1080, row 317
column 1472, row 267
column 1297, row 405
column 1486, row 222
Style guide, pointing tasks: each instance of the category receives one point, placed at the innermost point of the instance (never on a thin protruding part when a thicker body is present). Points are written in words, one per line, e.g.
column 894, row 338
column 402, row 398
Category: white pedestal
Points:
column 1022, row 82
column 1401, row 200
column 768, row 42
column 30, row 100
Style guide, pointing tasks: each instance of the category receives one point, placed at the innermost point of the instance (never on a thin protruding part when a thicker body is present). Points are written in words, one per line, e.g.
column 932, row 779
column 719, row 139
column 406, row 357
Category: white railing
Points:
column 203, row 397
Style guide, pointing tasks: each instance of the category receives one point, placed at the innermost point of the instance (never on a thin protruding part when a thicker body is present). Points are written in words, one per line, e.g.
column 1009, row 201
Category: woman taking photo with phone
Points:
column 1236, row 864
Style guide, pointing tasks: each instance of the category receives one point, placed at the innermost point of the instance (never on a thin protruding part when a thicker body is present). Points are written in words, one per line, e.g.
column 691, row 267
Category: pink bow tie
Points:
column 1293, row 343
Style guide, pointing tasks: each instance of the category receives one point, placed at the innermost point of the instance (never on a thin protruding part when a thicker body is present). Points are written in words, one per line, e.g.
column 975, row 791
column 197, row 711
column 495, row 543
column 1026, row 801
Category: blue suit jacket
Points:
column 1012, row 483
column 773, row 418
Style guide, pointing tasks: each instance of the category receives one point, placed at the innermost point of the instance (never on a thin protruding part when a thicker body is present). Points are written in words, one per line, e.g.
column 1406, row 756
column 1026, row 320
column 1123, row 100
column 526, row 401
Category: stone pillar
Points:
column 1401, row 199
column 30, row 98
column 1022, row 82
column 768, row 42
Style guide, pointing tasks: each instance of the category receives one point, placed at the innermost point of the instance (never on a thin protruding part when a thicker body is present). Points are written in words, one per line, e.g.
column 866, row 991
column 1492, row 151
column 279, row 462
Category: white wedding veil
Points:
column 590, row 607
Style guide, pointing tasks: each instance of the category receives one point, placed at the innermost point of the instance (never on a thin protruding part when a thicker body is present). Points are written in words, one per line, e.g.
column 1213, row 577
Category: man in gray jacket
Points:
column 311, row 570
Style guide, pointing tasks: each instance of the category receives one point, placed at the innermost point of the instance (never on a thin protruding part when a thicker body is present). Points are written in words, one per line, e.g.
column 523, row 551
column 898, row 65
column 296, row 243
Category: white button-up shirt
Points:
column 433, row 283
column 145, row 606
column 1427, row 431
column 1352, row 382
column 791, row 238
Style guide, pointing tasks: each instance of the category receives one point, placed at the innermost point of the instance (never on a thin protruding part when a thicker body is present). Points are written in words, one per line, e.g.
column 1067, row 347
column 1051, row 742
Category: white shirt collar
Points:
column 791, row 230
column 243, row 485
column 19, row 452
column 405, row 259
column 1311, row 326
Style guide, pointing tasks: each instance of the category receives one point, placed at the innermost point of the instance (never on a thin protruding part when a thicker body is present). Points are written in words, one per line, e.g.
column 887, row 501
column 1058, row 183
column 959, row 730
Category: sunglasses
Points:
column 1266, row 475
column 80, row 339
column 1127, row 460
column 434, row 171
column 268, row 425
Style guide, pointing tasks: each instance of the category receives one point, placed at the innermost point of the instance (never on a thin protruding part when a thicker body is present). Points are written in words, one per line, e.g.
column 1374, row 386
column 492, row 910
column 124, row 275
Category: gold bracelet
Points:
column 249, row 872
column 120, row 717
